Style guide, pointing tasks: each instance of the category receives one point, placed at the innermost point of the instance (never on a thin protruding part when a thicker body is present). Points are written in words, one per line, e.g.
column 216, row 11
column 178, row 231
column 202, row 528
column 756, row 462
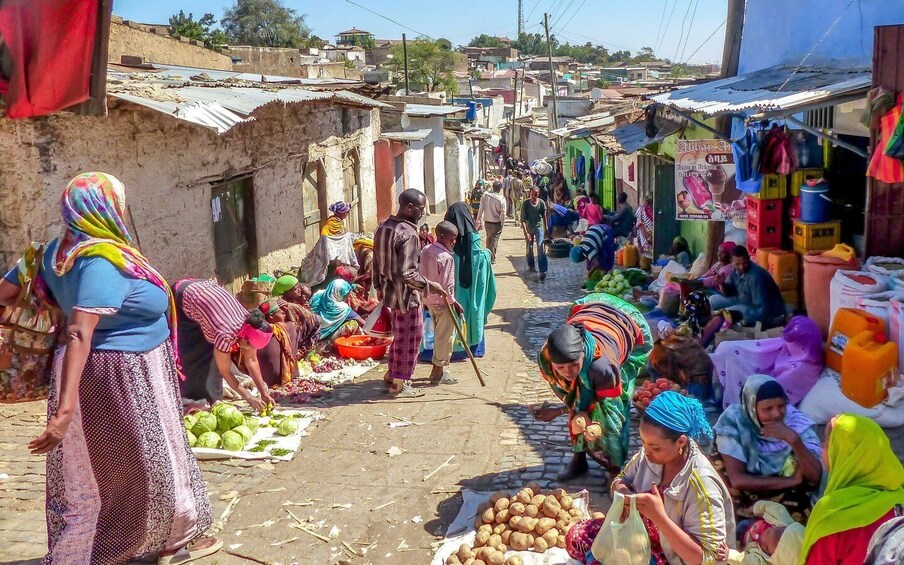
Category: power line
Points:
column 689, row 29
column 705, row 41
column 533, row 9
column 387, row 18
column 681, row 33
column 665, row 6
column 565, row 11
column 665, row 29
column 581, row 5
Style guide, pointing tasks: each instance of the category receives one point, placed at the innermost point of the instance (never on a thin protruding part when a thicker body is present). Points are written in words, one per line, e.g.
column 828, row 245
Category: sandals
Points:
column 446, row 379
column 407, row 391
column 186, row 555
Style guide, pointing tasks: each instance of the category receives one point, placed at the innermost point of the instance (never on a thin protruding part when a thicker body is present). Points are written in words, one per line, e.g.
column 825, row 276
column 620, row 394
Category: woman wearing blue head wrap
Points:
column 676, row 488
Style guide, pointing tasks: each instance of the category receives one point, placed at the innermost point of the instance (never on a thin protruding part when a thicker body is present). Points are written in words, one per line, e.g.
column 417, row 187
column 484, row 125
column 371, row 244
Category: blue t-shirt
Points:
column 140, row 322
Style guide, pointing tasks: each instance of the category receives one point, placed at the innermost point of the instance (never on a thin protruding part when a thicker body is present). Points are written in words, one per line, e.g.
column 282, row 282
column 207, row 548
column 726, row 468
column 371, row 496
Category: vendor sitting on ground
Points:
column 590, row 363
column 360, row 301
column 335, row 224
column 337, row 318
column 680, row 252
column 622, row 221
column 769, row 450
column 597, row 247
column 592, row 212
column 278, row 360
column 749, row 296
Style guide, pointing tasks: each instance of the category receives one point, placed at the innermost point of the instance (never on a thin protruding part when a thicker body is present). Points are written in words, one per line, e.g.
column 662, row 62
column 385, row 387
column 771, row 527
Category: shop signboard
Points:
column 705, row 187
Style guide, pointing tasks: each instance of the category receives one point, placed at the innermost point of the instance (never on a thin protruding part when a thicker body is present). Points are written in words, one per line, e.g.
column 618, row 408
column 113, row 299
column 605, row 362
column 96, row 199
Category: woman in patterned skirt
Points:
column 121, row 480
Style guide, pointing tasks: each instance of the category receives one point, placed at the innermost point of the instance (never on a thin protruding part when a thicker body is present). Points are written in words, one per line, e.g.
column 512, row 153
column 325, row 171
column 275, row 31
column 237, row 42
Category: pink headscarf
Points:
column 727, row 246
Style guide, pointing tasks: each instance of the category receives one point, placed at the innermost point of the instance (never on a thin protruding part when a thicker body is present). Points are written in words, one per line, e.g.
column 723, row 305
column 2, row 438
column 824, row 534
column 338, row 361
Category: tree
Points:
column 620, row 56
column 484, row 40
column 444, row 44
column 363, row 41
column 265, row 23
column 533, row 43
column 430, row 65
column 201, row 30
column 645, row 54
column 602, row 83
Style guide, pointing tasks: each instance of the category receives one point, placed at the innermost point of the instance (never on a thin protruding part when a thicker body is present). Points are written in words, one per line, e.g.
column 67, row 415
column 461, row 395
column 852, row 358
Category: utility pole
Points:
column 731, row 58
column 553, row 122
column 405, row 55
column 520, row 18
column 520, row 100
column 514, row 115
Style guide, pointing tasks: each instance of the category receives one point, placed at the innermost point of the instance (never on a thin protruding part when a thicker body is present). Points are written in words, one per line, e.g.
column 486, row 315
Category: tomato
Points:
column 662, row 381
column 656, row 393
column 645, row 394
column 645, row 402
column 663, row 386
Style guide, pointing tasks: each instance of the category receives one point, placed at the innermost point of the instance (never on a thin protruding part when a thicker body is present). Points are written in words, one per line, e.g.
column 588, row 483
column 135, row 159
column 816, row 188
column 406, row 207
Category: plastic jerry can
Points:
column 869, row 367
column 630, row 256
column 620, row 257
column 847, row 323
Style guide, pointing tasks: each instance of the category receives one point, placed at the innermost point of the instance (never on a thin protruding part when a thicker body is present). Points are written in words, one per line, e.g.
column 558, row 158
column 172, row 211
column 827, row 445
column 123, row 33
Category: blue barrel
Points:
column 471, row 113
column 815, row 204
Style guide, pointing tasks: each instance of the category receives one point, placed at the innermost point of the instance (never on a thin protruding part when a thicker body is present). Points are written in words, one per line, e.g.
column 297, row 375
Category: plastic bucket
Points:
column 815, row 204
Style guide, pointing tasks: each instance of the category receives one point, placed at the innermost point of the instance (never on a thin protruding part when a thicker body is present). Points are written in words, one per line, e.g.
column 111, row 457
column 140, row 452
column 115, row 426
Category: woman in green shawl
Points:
column 865, row 489
column 475, row 284
column 591, row 362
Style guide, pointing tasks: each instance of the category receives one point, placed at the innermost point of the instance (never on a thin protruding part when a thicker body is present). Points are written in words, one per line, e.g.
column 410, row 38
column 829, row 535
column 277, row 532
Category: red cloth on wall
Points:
column 51, row 43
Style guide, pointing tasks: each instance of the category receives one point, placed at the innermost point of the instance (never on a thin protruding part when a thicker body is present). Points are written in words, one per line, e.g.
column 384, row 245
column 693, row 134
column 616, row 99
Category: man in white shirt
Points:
column 492, row 213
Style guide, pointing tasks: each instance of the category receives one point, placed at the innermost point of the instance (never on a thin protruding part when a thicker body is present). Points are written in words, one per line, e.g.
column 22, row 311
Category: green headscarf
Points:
column 282, row 284
column 866, row 480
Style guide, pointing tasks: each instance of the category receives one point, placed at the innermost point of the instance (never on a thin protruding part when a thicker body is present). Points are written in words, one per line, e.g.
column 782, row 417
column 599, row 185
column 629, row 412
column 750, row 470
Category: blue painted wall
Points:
column 783, row 31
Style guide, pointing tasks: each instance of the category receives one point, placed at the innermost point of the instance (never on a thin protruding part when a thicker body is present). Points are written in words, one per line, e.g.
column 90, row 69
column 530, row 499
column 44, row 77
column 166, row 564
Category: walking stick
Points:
column 464, row 342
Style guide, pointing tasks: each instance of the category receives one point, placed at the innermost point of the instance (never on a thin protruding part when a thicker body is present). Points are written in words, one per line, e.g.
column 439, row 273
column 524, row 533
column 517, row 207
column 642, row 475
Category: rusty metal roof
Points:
column 780, row 90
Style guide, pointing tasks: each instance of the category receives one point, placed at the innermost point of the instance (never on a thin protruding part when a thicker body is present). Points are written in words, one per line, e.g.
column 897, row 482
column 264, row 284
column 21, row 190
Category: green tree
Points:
column 265, row 23
column 645, row 54
column 602, row 83
column 484, row 40
column 200, row 30
column 444, row 44
column 533, row 43
column 363, row 41
column 430, row 65
column 620, row 56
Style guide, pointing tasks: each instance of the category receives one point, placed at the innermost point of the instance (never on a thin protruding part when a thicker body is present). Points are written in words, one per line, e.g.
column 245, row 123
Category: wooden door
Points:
column 666, row 227
column 313, row 203
column 232, row 208
column 351, row 189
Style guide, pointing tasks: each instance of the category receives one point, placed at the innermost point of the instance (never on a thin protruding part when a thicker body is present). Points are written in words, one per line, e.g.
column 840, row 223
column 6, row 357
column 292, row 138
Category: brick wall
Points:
column 169, row 166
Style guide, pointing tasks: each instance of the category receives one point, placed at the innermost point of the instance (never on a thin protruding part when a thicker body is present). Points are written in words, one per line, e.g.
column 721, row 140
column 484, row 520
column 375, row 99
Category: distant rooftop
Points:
column 354, row 31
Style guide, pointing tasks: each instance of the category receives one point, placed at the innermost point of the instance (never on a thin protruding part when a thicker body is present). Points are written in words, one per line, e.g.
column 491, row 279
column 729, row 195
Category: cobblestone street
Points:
column 372, row 507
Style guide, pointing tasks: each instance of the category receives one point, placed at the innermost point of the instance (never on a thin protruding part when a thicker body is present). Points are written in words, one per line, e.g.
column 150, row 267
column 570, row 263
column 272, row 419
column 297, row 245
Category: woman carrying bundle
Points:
column 590, row 362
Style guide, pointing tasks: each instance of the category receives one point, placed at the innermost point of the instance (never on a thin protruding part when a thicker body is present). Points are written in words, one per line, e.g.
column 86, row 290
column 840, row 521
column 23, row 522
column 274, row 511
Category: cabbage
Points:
column 233, row 441
column 189, row 420
column 243, row 431
column 287, row 427
column 192, row 440
column 219, row 407
column 208, row 439
column 252, row 423
column 229, row 418
column 205, row 422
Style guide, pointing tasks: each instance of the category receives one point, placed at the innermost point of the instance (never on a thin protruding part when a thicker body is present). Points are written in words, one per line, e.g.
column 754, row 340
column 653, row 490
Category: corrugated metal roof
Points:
column 176, row 72
column 776, row 89
column 633, row 137
column 415, row 135
column 425, row 110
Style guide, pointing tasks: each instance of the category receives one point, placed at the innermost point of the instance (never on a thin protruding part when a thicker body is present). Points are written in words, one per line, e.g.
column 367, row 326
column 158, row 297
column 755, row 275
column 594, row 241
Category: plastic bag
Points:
column 625, row 543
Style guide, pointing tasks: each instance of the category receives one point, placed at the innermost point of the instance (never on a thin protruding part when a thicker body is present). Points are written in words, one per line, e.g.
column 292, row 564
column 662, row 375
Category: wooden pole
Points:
column 464, row 341
column 553, row 122
column 405, row 56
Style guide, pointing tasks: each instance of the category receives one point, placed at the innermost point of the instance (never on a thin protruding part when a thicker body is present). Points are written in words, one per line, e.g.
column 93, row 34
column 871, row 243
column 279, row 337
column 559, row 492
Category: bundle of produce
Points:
column 528, row 521
column 645, row 393
column 614, row 283
column 224, row 427
column 327, row 365
column 297, row 391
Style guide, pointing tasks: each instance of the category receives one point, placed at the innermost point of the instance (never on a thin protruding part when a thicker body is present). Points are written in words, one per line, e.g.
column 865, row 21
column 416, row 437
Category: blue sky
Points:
column 617, row 24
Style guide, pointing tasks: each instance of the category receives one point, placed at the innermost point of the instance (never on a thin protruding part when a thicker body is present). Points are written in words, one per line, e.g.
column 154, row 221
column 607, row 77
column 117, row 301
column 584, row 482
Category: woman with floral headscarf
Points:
column 121, row 480
column 335, row 224
column 337, row 319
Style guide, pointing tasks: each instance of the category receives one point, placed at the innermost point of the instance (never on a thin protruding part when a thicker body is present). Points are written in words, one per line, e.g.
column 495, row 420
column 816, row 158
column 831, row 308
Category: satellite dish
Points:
column 596, row 94
column 406, row 121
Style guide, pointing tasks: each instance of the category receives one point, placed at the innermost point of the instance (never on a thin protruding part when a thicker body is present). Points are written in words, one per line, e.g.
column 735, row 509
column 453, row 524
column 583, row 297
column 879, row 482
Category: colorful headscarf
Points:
column 866, row 480
column 283, row 284
column 330, row 305
column 93, row 207
column 346, row 273
column 681, row 414
column 727, row 246
column 340, row 207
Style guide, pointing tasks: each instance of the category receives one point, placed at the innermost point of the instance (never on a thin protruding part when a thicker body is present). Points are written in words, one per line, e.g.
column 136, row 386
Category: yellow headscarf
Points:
column 866, row 480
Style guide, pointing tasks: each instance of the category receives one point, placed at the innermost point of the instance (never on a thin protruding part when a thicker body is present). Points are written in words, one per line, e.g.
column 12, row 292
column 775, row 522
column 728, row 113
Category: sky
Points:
column 681, row 30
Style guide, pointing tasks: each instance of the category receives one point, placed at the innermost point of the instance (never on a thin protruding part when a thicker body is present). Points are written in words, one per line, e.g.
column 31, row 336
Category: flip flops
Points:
column 446, row 379
column 407, row 391
column 186, row 555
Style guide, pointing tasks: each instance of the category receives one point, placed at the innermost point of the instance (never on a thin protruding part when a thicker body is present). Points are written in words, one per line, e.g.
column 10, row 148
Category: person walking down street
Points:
column 122, row 482
column 438, row 265
column 622, row 221
column 492, row 215
column 475, row 197
column 475, row 283
column 398, row 282
column 507, row 191
column 515, row 195
column 591, row 362
column 533, row 224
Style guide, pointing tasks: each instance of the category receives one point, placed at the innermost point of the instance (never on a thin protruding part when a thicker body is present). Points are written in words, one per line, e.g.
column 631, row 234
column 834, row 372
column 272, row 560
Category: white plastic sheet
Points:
column 292, row 442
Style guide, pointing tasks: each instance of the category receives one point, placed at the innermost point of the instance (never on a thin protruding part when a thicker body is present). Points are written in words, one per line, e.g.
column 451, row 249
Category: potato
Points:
column 537, row 500
column 496, row 558
column 465, row 552
column 525, row 524
column 507, row 536
column 481, row 539
column 540, row 545
column 559, row 493
column 524, row 496
column 483, row 506
column 561, row 541
column 598, row 516
column 576, row 513
column 551, row 507
column 519, row 541
column 497, row 496
column 566, row 502
column 578, row 424
column 488, row 516
column 484, row 553
column 563, row 525
column 530, row 540
column 544, row 525
column 503, row 516
column 517, row 509
column 499, row 529
column 479, row 562
column 531, row 511
column 551, row 537
column 514, row 560
column 485, row 528
column 494, row 540
column 501, row 504
column 453, row 560
column 469, row 561
column 501, row 548
column 593, row 432
column 563, row 516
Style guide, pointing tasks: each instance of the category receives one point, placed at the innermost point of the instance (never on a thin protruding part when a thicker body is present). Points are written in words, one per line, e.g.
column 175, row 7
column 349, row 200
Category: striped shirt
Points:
column 219, row 314
column 438, row 265
column 595, row 240
column 397, row 256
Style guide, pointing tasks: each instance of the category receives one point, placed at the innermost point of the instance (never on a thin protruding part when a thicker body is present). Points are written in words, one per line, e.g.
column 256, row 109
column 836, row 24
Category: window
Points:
column 313, row 194
column 232, row 210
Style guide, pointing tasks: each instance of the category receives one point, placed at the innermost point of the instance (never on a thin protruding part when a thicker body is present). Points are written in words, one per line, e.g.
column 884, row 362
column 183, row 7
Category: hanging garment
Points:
column 882, row 167
column 895, row 146
column 591, row 176
column 581, row 167
column 746, row 155
column 776, row 153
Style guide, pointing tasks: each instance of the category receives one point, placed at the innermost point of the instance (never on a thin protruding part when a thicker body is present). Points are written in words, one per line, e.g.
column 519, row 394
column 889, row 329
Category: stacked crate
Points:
column 764, row 220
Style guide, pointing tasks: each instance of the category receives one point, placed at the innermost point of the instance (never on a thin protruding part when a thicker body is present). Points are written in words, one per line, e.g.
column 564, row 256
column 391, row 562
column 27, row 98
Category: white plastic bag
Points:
column 896, row 326
column 884, row 265
column 672, row 268
column 624, row 543
column 879, row 304
column 845, row 288
column 825, row 400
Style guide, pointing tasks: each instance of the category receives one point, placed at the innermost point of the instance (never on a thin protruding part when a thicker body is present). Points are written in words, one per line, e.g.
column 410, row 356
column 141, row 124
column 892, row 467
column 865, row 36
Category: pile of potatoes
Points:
column 528, row 521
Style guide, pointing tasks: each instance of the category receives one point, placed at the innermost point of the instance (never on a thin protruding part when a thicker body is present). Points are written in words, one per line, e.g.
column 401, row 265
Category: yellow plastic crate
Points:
column 816, row 237
column 774, row 186
column 801, row 176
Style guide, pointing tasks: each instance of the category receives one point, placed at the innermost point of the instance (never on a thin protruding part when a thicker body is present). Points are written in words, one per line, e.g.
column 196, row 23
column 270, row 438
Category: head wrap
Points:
column 576, row 254
column 265, row 278
column 283, row 284
column 346, row 273
column 459, row 214
column 93, row 207
column 865, row 480
column 258, row 339
column 727, row 246
column 340, row 207
column 770, row 390
column 681, row 414
column 269, row 307
column 565, row 344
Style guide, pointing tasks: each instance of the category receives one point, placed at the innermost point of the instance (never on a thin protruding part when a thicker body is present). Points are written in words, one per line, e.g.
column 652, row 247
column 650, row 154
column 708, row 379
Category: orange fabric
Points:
column 882, row 167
